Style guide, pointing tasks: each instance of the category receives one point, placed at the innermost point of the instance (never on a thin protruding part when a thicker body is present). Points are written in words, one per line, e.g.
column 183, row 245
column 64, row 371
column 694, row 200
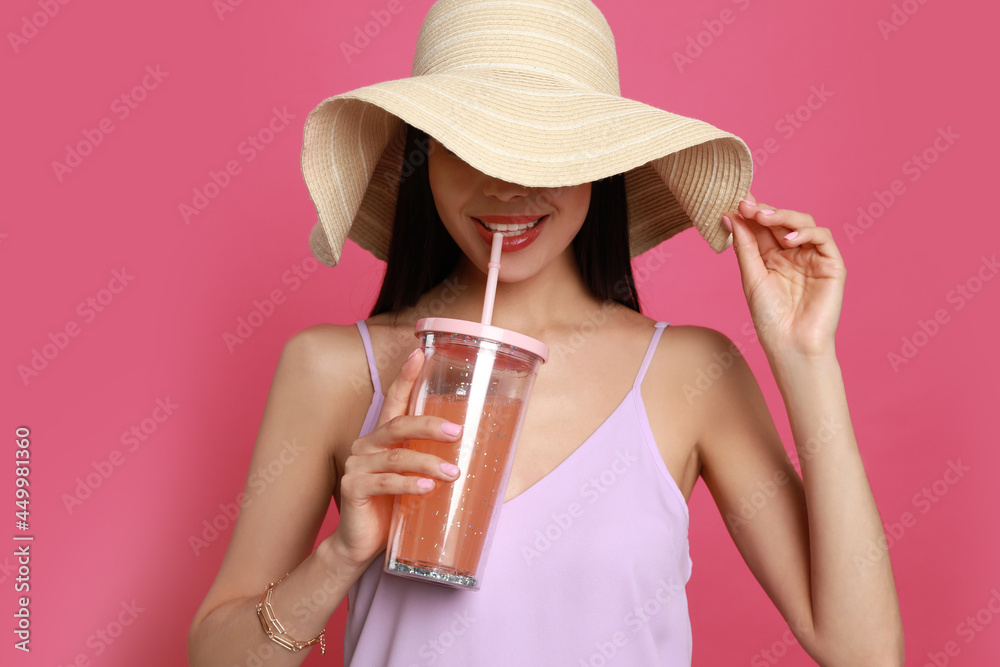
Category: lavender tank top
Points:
column 588, row 567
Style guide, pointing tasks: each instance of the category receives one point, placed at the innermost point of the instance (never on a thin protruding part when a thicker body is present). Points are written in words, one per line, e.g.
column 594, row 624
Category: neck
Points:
column 553, row 298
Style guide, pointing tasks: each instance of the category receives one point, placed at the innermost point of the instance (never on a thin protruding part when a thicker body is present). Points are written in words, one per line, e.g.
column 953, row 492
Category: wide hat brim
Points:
column 530, row 128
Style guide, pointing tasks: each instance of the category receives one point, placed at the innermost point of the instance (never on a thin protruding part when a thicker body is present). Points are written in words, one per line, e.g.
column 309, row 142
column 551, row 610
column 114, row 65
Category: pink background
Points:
column 161, row 337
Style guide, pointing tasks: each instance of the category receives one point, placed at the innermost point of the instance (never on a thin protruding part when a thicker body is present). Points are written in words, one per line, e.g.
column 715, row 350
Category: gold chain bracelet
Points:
column 276, row 631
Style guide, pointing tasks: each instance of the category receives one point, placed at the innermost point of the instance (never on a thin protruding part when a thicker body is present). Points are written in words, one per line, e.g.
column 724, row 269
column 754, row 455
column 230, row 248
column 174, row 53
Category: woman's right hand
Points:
column 379, row 468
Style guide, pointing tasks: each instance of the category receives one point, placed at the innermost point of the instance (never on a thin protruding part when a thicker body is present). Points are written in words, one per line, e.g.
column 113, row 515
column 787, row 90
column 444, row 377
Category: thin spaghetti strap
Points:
column 660, row 326
column 370, row 354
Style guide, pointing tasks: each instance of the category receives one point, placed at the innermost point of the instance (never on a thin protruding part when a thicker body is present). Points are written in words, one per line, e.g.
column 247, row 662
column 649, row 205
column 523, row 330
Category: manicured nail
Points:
column 451, row 429
column 748, row 202
column 727, row 222
column 425, row 483
column 765, row 211
column 412, row 353
column 789, row 237
column 449, row 469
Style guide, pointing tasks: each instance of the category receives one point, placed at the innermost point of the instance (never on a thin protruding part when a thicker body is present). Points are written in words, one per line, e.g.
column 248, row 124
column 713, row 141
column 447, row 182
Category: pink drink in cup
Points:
column 479, row 376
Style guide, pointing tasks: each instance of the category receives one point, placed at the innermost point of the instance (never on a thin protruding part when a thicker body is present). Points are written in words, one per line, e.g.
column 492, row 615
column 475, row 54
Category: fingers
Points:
column 748, row 252
column 394, row 425
column 820, row 237
column 765, row 228
column 360, row 485
column 397, row 396
column 769, row 216
column 785, row 223
column 379, row 464
column 406, row 427
column 395, row 471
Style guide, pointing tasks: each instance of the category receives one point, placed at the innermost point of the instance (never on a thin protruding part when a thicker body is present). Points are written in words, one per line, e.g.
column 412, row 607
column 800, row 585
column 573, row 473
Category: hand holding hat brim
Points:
column 793, row 277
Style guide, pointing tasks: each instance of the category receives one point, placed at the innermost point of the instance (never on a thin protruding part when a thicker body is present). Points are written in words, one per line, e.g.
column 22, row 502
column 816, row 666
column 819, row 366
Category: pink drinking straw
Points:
column 491, row 278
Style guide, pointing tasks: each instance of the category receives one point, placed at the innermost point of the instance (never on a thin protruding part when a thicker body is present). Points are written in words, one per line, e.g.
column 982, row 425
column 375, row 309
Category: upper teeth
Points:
column 494, row 227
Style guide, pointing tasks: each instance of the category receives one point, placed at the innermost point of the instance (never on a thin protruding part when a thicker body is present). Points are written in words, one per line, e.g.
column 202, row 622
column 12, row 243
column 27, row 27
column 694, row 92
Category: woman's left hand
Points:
column 793, row 278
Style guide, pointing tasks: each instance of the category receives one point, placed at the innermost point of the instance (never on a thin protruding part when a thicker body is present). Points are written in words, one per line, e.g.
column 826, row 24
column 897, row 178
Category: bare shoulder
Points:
column 698, row 346
column 326, row 368
column 322, row 351
column 682, row 346
column 704, row 375
column 684, row 392
column 682, row 339
column 696, row 362
column 697, row 338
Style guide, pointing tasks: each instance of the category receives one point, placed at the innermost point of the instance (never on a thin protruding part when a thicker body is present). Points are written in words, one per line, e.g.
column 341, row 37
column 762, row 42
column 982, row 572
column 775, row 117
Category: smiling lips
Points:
column 518, row 230
column 507, row 222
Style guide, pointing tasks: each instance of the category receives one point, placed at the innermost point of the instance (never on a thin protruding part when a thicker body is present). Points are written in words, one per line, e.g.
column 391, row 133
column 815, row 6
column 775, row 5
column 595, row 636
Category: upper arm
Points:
column 752, row 480
column 289, row 483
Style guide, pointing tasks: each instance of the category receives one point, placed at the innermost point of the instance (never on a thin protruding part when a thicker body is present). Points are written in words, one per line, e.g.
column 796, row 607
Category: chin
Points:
column 527, row 265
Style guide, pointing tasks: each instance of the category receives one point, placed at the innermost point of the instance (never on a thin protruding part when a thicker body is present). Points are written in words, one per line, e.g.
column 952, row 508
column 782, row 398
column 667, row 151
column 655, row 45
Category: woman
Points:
column 590, row 560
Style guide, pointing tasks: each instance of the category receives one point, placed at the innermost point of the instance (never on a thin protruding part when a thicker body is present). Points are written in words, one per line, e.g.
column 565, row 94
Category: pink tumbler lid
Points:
column 488, row 332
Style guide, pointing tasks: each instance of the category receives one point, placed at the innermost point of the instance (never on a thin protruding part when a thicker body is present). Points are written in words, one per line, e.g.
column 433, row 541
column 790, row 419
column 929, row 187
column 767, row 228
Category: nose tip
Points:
column 504, row 190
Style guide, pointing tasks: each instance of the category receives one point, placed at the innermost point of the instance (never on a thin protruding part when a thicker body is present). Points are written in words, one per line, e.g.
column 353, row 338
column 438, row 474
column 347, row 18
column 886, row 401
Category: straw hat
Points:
column 526, row 92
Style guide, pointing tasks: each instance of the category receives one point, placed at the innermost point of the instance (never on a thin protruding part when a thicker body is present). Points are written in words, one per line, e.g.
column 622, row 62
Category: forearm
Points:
column 304, row 602
column 854, row 604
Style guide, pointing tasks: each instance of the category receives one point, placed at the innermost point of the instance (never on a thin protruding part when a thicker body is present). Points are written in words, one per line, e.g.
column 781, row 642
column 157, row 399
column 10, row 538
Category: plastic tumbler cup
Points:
column 479, row 376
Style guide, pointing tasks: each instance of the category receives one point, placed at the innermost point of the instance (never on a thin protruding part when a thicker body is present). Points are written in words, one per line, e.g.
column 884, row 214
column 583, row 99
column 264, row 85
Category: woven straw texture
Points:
column 526, row 92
